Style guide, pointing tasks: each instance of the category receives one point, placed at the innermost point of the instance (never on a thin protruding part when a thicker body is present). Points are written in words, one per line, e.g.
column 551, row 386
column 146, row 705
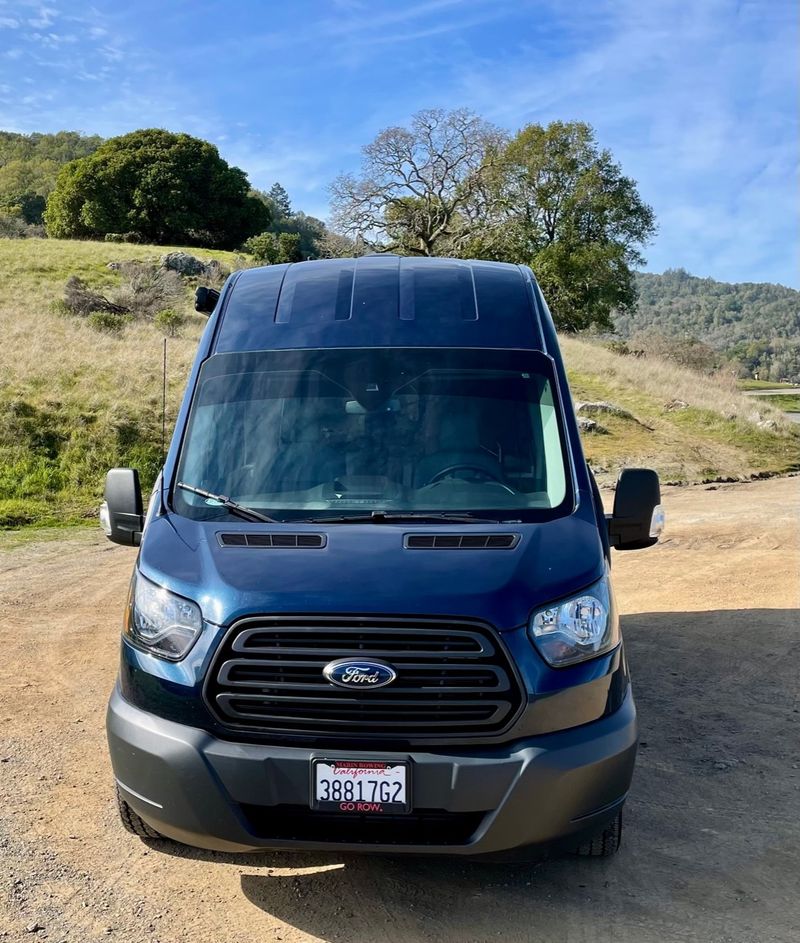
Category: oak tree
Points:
column 421, row 189
column 163, row 187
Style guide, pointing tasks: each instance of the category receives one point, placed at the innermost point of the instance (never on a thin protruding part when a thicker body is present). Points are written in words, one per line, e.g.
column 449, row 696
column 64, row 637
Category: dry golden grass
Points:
column 50, row 356
column 664, row 381
column 715, row 435
column 74, row 401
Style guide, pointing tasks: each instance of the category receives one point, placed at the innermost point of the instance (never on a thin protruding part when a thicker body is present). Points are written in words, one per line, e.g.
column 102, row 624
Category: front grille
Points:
column 422, row 827
column 453, row 678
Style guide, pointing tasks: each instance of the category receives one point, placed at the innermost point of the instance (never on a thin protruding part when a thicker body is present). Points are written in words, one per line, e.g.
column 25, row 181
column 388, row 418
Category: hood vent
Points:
column 272, row 541
column 461, row 541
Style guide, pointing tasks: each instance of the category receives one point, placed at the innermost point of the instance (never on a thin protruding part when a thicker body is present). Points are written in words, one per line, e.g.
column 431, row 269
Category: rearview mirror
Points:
column 638, row 517
column 353, row 408
column 121, row 514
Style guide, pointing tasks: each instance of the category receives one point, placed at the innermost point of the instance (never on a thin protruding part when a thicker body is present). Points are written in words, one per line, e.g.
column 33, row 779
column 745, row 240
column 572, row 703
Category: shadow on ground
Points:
column 710, row 850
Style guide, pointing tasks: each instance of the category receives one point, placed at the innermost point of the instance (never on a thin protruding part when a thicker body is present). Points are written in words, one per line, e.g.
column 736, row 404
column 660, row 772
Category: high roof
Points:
column 379, row 301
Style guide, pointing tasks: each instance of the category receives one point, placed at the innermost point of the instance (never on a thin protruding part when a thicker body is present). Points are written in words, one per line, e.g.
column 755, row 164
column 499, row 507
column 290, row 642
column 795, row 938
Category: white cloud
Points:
column 372, row 22
column 45, row 17
column 694, row 101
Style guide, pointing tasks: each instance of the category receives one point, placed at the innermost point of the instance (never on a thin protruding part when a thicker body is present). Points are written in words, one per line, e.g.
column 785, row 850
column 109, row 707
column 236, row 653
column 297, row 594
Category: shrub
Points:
column 272, row 248
column 18, row 513
column 108, row 321
column 14, row 226
column 145, row 291
column 82, row 300
column 148, row 289
column 170, row 321
column 263, row 248
column 133, row 237
column 289, row 247
column 60, row 307
column 215, row 274
column 686, row 351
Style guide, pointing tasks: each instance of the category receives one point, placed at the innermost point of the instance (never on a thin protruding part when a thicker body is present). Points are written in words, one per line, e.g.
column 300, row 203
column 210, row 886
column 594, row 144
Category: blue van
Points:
column 371, row 609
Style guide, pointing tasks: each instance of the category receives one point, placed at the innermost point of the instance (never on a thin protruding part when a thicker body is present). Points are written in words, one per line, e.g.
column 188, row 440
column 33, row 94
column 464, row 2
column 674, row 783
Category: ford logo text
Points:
column 349, row 673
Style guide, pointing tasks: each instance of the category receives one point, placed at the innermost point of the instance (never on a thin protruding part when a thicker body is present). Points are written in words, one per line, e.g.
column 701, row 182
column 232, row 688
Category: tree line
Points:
column 448, row 184
column 548, row 196
column 754, row 326
column 29, row 165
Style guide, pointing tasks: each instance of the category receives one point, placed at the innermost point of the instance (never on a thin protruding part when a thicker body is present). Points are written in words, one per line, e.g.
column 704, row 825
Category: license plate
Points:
column 372, row 787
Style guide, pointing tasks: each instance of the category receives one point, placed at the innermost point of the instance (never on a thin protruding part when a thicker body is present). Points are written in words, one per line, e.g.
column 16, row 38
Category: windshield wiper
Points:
column 249, row 514
column 400, row 517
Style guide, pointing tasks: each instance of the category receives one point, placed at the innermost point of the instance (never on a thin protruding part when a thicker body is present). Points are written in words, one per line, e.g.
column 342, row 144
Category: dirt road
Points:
column 712, row 842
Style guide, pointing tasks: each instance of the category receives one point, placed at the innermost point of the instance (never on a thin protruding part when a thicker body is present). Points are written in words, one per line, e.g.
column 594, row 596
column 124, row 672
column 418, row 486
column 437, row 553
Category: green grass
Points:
column 13, row 538
column 787, row 403
column 762, row 385
column 75, row 402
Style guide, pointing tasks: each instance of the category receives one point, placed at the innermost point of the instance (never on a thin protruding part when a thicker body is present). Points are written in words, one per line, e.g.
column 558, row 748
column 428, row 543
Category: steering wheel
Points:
column 483, row 473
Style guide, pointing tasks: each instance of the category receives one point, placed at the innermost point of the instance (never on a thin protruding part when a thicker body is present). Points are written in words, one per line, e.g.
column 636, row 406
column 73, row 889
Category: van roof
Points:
column 380, row 301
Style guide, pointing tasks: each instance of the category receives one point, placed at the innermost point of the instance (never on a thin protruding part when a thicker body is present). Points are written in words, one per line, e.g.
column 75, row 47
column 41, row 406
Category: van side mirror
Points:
column 638, row 518
column 121, row 514
column 205, row 299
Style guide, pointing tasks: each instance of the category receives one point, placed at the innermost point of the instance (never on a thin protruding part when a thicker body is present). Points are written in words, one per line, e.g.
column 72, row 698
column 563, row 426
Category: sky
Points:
column 697, row 99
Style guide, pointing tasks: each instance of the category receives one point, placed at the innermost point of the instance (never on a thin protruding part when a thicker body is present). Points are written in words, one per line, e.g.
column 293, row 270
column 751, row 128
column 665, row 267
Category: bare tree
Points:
column 423, row 189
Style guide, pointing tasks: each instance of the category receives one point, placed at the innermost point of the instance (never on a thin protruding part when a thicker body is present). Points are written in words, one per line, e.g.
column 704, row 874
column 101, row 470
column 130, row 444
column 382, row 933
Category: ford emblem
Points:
column 362, row 674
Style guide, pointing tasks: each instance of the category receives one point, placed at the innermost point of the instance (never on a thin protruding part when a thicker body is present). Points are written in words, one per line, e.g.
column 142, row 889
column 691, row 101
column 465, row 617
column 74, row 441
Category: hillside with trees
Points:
column 448, row 183
column 754, row 326
column 29, row 165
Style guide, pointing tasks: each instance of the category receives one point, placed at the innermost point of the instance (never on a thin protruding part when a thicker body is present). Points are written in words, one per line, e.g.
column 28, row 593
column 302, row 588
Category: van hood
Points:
column 366, row 569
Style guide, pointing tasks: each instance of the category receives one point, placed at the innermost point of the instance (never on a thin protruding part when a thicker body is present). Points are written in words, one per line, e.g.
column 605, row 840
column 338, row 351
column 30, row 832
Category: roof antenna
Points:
column 164, row 406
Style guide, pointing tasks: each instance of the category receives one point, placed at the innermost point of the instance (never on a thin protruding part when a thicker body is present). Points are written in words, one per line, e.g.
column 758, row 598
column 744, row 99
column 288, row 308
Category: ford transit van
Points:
column 372, row 605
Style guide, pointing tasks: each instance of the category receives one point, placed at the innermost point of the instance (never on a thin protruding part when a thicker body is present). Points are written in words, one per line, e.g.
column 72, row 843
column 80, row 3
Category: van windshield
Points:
column 340, row 433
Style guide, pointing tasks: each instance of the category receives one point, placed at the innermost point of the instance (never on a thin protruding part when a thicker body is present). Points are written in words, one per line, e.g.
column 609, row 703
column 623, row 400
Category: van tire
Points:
column 604, row 844
column 132, row 822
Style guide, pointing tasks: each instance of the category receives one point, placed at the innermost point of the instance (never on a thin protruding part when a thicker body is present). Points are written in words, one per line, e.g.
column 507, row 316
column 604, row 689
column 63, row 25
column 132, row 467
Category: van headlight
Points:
column 578, row 628
column 159, row 621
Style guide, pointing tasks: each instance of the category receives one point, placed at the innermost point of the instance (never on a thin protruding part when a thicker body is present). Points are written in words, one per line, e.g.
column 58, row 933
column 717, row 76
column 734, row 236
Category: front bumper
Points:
column 228, row 796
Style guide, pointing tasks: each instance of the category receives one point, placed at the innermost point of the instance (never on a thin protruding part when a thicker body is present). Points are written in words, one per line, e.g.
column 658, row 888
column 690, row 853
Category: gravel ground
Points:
column 711, row 849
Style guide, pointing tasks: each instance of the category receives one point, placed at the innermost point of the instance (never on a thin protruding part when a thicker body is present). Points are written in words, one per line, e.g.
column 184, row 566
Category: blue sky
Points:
column 697, row 99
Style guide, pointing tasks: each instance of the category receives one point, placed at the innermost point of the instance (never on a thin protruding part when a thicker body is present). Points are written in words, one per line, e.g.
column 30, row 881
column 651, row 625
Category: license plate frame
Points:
column 367, row 776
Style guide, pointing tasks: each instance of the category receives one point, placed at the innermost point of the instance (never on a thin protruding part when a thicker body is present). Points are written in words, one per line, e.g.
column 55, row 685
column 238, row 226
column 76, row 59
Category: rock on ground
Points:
column 590, row 425
column 184, row 263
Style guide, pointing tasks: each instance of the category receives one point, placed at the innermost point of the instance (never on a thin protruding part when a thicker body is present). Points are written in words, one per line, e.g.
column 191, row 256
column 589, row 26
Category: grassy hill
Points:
column 75, row 401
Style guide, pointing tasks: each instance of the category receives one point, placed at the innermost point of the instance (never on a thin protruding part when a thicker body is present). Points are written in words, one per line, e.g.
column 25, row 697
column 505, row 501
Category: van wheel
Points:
column 134, row 823
column 605, row 843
